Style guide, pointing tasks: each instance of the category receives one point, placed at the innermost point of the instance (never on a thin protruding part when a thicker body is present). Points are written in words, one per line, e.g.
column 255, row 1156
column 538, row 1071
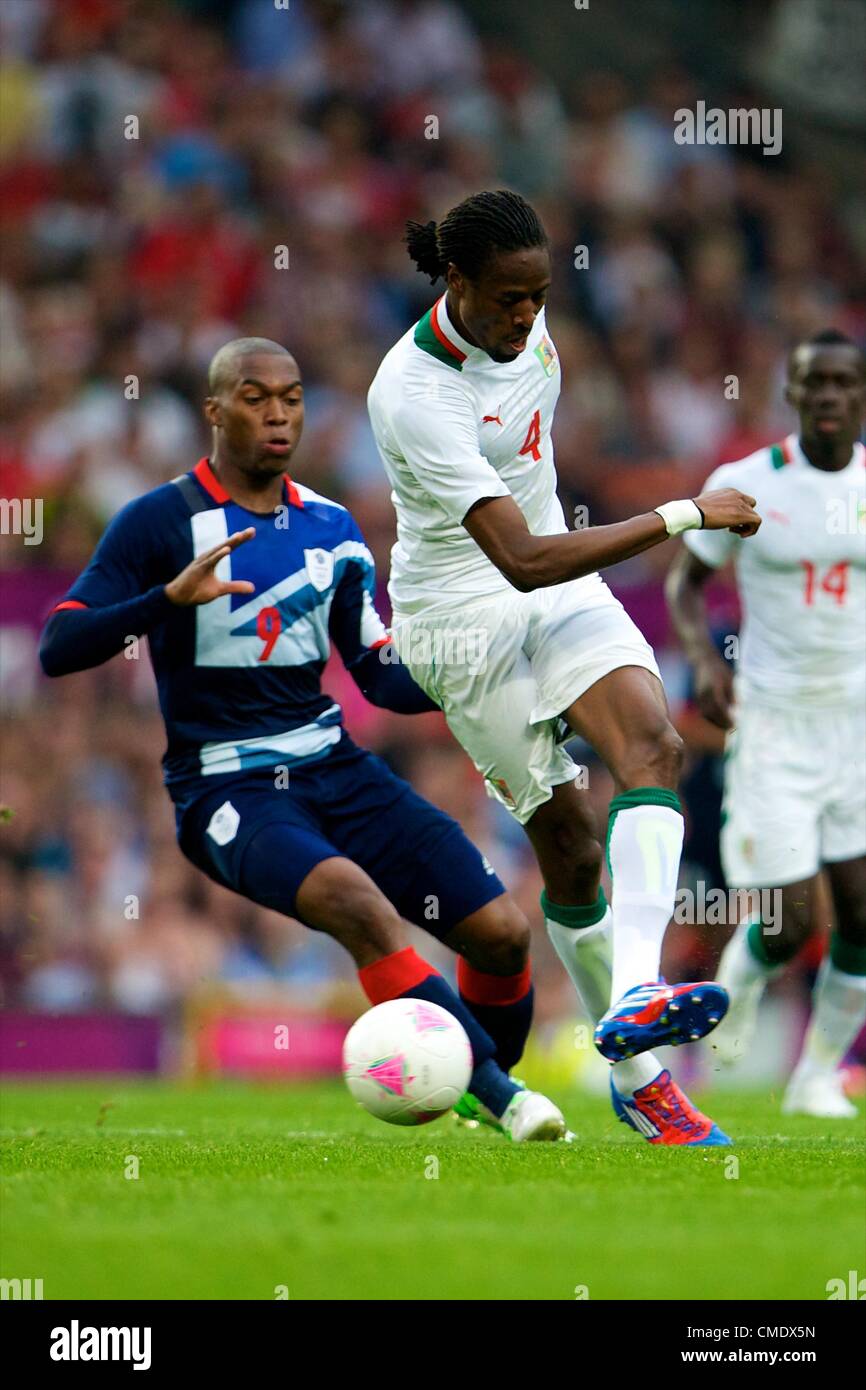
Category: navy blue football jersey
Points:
column 239, row 678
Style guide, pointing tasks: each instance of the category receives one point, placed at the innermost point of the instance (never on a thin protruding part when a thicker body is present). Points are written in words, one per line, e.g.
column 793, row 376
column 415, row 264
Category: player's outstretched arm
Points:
column 714, row 681
column 78, row 635
column 535, row 562
column 384, row 681
column 364, row 643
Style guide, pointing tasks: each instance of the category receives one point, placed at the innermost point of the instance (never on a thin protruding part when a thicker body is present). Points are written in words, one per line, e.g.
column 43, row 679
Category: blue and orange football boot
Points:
column 658, row 1014
column 663, row 1114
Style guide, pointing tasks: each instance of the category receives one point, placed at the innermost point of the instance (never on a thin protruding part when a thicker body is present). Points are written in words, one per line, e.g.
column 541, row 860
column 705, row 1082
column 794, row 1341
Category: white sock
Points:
column 633, row 1073
column 739, row 967
column 585, row 952
column 644, row 848
column 838, row 1014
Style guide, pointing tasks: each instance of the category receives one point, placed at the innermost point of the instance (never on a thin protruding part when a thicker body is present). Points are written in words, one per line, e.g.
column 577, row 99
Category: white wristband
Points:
column 684, row 515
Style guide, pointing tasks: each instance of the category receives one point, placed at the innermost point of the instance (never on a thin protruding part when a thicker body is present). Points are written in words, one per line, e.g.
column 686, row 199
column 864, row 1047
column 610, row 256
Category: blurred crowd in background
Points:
column 155, row 155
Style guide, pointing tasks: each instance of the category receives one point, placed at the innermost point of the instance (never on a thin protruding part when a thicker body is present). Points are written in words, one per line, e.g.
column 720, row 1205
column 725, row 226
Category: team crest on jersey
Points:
column 223, row 824
column 320, row 568
column 546, row 354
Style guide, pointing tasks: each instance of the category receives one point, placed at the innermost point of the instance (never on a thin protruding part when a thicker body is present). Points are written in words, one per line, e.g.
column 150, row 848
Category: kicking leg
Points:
column 839, row 1004
column 579, row 924
column 624, row 716
column 576, row 913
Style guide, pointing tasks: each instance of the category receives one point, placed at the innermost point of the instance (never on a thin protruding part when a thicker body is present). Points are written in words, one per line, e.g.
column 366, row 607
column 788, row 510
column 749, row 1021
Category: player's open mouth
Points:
column 828, row 423
column 277, row 446
column 518, row 343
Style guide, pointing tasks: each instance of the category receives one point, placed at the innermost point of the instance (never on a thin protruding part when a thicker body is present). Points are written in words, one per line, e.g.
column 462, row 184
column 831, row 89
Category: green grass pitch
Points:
column 246, row 1189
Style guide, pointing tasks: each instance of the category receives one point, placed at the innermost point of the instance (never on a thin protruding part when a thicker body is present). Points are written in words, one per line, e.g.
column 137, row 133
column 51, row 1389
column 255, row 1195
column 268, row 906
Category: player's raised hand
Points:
column 729, row 510
column 714, row 690
column 198, row 583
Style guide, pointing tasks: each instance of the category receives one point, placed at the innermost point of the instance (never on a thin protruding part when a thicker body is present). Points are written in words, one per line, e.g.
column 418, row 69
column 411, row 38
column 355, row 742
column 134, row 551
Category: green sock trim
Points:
column 569, row 916
column 847, row 957
column 645, row 796
column 639, row 796
column 757, row 944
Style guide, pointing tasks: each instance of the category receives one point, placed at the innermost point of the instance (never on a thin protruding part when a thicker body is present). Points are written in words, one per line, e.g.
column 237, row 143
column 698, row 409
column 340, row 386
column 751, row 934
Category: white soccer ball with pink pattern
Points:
column 407, row 1061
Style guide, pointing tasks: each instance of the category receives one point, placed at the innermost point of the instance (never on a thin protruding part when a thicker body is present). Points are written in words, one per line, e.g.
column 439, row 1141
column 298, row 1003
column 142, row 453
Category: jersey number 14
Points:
column 834, row 581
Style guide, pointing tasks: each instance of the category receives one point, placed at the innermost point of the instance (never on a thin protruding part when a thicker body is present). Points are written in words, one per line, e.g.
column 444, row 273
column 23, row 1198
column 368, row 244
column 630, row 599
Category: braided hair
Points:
column 472, row 232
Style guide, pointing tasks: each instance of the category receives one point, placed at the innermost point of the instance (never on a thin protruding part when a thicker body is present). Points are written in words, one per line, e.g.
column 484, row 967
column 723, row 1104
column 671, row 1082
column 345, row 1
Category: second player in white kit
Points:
column 796, row 761
column 795, row 765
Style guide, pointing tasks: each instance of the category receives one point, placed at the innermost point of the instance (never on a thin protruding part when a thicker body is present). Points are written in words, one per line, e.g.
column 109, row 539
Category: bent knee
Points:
column 499, row 939
column 653, row 758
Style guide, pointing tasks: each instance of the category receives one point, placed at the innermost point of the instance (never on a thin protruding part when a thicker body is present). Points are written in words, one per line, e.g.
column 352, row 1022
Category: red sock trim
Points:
column 393, row 975
column 478, row 988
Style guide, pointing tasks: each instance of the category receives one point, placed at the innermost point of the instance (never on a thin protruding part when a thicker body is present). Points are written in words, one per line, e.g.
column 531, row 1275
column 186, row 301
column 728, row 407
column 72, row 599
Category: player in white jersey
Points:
column 795, row 769
column 503, row 620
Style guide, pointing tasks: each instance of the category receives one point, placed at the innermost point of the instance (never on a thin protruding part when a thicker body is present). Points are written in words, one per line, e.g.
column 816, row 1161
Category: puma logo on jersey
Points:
column 492, row 419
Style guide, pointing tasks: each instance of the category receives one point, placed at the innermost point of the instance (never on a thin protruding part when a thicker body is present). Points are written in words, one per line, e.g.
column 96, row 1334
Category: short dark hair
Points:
column 472, row 232
column 224, row 364
column 828, row 337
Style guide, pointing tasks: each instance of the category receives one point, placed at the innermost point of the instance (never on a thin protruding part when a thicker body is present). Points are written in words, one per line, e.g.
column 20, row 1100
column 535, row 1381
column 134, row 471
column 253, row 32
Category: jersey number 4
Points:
column 834, row 582
column 532, row 442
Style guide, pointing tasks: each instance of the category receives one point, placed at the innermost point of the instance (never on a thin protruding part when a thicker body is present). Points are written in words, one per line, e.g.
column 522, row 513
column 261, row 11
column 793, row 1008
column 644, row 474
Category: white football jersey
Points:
column 454, row 426
column 802, row 578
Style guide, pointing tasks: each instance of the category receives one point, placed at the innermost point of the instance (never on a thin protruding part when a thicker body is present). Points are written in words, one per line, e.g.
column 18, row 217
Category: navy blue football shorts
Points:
column 262, row 840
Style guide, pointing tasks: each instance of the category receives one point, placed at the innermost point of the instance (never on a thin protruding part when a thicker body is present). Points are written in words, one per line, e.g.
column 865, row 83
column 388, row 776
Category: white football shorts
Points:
column 505, row 668
column 795, row 793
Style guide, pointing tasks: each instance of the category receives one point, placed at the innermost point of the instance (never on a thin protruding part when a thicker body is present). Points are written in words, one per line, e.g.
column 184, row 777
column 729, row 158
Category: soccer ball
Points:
column 407, row 1061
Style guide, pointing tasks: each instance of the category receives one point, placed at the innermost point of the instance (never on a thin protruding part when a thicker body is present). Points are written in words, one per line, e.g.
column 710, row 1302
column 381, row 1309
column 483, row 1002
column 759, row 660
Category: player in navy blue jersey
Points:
column 241, row 578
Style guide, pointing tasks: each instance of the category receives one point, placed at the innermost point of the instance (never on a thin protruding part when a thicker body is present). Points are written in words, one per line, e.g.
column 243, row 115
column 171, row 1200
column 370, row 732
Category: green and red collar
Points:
column 789, row 451
column 436, row 335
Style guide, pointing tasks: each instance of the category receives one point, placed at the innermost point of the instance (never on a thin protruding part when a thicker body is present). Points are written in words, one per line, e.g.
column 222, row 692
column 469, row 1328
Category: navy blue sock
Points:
column 492, row 1087
column 502, row 1006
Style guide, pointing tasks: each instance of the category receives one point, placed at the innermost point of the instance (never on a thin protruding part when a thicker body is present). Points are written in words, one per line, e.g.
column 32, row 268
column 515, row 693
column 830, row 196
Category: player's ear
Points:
column 212, row 410
column 454, row 280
